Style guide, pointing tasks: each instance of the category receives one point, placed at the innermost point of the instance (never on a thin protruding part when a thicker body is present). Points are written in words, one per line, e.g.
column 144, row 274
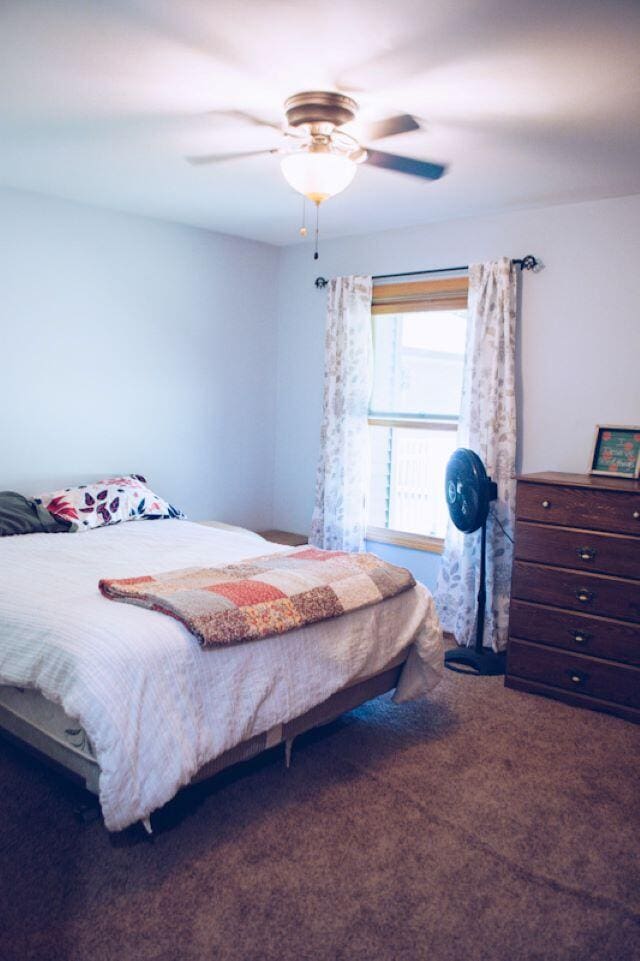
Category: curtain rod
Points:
column 529, row 262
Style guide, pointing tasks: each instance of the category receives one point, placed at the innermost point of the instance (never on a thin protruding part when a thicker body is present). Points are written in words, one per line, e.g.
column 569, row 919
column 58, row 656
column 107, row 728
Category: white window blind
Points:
column 419, row 332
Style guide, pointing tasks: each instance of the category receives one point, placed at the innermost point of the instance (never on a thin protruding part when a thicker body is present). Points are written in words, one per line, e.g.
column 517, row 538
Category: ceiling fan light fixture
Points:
column 318, row 175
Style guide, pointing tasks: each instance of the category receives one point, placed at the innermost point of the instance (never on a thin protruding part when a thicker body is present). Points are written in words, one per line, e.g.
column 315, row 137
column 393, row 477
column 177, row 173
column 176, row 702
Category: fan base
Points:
column 466, row 660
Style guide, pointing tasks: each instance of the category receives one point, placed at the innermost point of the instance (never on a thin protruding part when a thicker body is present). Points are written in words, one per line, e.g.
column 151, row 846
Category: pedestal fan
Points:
column 469, row 491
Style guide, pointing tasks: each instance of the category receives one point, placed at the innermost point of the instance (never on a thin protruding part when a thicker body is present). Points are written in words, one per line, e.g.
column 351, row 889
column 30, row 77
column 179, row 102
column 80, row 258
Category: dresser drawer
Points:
column 577, row 591
column 572, row 672
column 582, row 550
column 579, row 507
column 579, row 633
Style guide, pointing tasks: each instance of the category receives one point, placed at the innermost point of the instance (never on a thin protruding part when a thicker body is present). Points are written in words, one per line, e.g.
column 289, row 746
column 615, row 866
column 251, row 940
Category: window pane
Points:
column 418, row 362
column 407, row 479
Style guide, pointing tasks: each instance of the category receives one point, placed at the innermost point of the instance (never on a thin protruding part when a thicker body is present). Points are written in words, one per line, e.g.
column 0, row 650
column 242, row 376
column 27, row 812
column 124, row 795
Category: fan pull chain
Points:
column 303, row 229
column 315, row 255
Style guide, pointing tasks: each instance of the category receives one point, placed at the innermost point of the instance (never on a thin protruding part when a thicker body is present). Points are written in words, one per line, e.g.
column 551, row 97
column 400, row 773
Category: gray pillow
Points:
column 21, row 515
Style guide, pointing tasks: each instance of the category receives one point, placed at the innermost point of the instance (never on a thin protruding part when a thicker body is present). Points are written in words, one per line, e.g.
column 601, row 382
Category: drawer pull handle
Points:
column 546, row 504
column 580, row 637
column 586, row 553
column 636, row 514
column 578, row 677
column 584, row 596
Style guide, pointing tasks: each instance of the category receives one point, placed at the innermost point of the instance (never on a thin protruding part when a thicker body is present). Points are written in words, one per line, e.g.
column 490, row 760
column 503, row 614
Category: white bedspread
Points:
column 155, row 705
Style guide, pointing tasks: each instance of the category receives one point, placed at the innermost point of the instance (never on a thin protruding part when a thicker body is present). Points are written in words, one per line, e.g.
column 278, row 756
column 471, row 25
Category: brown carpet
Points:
column 483, row 824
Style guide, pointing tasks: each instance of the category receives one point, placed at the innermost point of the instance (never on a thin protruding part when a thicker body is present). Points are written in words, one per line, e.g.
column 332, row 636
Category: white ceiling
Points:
column 528, row 102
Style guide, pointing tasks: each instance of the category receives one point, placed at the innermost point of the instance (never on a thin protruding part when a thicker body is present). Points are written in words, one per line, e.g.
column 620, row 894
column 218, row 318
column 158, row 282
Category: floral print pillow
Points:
column 108, row 501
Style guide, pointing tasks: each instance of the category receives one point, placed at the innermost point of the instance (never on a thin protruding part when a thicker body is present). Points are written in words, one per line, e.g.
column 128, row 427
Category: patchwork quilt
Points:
column 263, row 596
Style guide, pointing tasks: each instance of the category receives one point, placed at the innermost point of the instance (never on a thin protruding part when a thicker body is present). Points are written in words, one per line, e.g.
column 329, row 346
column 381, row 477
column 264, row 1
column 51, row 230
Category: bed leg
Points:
column 87, row 811
column 288, row 745
column 146, row 823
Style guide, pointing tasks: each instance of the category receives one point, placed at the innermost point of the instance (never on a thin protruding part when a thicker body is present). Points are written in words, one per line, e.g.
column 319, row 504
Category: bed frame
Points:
column 84, row 770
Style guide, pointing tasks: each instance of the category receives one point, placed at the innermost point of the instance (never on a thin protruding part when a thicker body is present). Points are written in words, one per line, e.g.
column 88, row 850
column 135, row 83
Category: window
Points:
column 419, row 332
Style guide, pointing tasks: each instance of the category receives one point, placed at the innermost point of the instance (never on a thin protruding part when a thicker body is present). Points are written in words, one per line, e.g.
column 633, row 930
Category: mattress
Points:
column 33, row 720
column 151, row 704
column 47, row 717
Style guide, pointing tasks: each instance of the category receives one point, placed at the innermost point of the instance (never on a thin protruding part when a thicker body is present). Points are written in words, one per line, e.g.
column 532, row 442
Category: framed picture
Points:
column 616, row 451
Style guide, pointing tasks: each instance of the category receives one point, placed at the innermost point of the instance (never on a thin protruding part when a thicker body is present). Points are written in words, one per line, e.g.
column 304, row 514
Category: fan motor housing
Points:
column 320, row 106
column 468, row 490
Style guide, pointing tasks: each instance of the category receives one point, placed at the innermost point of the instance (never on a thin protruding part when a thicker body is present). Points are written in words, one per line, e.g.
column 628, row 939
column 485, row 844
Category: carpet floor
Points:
column 481, row 824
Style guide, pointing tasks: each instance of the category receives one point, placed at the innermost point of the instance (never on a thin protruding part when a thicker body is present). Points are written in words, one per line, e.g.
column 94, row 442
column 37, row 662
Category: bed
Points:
column 126, row 701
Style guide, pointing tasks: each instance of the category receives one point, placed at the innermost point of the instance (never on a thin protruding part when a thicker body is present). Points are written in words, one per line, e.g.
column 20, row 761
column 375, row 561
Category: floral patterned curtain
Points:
column 488, row 427
column 339, row 516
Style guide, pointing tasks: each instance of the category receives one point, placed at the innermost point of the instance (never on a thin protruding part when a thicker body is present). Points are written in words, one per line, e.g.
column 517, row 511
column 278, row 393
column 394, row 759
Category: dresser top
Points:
column 595, row 482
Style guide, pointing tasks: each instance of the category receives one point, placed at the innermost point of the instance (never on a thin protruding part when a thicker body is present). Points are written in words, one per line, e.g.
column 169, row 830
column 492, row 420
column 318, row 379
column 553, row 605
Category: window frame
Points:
column 450, row 293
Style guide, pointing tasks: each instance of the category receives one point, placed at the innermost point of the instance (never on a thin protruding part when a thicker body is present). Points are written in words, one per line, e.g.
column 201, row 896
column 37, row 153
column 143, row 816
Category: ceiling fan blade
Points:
column 215, row 158
column 404, row 165
column 390, row 127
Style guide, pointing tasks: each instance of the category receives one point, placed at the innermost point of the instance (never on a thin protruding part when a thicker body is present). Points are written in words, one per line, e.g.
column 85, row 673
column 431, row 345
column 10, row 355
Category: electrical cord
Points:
column 497, row 520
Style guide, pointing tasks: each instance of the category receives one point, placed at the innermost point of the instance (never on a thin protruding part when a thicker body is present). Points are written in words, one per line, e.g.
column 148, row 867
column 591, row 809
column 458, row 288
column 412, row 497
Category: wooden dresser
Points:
column 574, row 624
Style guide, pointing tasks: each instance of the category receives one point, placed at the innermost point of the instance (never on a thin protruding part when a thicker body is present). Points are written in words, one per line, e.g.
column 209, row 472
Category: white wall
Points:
column 579, row 333
column 129, row 344
column 132, row 345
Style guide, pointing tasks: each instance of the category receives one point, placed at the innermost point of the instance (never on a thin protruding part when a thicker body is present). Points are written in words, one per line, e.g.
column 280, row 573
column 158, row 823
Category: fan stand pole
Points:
column 477, row 660
column 482, row 590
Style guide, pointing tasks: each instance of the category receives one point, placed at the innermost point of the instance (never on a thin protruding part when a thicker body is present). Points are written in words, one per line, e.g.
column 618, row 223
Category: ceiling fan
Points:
column 317, row 157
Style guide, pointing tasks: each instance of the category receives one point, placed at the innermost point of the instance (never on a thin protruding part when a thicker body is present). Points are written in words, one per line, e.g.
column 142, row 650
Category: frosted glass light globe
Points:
column 318, row 175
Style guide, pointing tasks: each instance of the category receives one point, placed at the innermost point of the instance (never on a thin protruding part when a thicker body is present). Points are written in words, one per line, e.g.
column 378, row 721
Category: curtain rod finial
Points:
column 321, row 282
